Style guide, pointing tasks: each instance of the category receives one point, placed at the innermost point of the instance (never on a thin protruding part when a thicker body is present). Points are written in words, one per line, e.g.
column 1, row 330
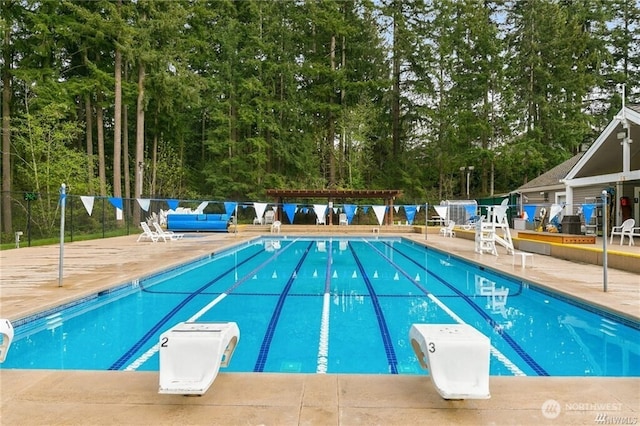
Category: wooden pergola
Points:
column 388, row 195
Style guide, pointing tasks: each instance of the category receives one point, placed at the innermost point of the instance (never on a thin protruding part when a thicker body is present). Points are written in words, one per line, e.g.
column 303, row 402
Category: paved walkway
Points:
column 30, row 282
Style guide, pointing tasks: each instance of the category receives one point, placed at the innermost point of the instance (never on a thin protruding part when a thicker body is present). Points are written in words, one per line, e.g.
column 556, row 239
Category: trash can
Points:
column 571, row 225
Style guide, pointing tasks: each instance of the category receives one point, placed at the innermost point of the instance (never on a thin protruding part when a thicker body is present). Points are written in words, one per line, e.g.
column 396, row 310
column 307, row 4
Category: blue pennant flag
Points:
column 530, row 210
column 116, row 202
column 587, row 211
column 290, row 210
column 230, row 207
column 349, row 210
column 410, row 211
column 173, row 204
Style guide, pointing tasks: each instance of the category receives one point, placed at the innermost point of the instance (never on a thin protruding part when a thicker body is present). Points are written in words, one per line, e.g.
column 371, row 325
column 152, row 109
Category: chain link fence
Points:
column 36, row 216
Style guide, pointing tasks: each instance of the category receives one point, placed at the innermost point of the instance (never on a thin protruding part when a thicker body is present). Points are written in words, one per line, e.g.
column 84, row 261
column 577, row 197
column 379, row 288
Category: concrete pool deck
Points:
column 29, row 283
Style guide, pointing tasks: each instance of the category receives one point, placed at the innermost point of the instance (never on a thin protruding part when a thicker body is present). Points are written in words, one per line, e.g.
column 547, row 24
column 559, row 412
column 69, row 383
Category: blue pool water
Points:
column 331, row 305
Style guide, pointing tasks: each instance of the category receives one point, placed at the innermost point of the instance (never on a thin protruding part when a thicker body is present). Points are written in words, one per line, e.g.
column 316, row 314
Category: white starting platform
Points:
column 456, row 356
column 191, row 354
column 6, row 337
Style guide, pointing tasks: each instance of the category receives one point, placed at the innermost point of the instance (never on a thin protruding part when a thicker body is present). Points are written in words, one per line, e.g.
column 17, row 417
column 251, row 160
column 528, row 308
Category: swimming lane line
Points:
column 382, row 323
column 271, row 328
column 494, row 325
column 142, row 341
column 323, row 342
column 496, row 353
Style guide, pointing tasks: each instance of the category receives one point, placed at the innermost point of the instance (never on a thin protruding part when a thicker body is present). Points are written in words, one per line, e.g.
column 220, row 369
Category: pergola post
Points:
column 330, row 207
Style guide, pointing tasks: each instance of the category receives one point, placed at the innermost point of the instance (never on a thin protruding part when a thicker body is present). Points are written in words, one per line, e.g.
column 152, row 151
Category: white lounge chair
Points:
column 343, row 219
column 6, row 337
column 626, row 229
column 147, row 233
column 275, row 227
column 166, row 235
column 192, row 353
column 456, row 356
column 447, row 231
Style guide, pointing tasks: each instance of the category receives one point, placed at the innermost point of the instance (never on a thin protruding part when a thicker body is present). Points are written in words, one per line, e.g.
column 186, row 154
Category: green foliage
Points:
column 48, row 160
column 244, row 96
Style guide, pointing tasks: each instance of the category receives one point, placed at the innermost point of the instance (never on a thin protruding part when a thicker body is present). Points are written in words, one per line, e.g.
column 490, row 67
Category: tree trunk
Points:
column 331, row 131
column 345, row 160
column 125, row 145
column 139, row 138
column 125, row 151
column 117, row 127
column 154, row 155
column 88, row 112
column 395, row 96
column 102, row 169
column 7, row 225
column 117, row 118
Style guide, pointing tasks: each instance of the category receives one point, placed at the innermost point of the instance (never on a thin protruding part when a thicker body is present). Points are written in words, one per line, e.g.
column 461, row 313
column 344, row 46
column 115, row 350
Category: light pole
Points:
column 469, row 169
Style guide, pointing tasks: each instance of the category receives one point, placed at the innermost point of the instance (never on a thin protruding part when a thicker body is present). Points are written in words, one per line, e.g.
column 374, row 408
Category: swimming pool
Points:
column 332, row 305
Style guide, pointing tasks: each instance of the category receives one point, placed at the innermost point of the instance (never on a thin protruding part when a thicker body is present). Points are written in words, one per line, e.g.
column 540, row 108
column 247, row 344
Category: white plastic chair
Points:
column 626, row 229
column 275, row 227
column 343, row 219
column 269, row 217
column 447, row 231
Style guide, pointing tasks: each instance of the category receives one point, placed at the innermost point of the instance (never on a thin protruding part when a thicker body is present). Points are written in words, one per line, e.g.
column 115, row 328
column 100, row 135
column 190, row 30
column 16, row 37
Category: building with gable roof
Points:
column 611, row 163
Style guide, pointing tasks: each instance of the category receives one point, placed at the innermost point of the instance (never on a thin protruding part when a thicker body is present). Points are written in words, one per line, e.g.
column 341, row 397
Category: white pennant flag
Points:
column 144, row 203
column 554, row 211
column 259, row 208
column 320, row 210
column 379, row 211
column 88, row 203
column 442, row 211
